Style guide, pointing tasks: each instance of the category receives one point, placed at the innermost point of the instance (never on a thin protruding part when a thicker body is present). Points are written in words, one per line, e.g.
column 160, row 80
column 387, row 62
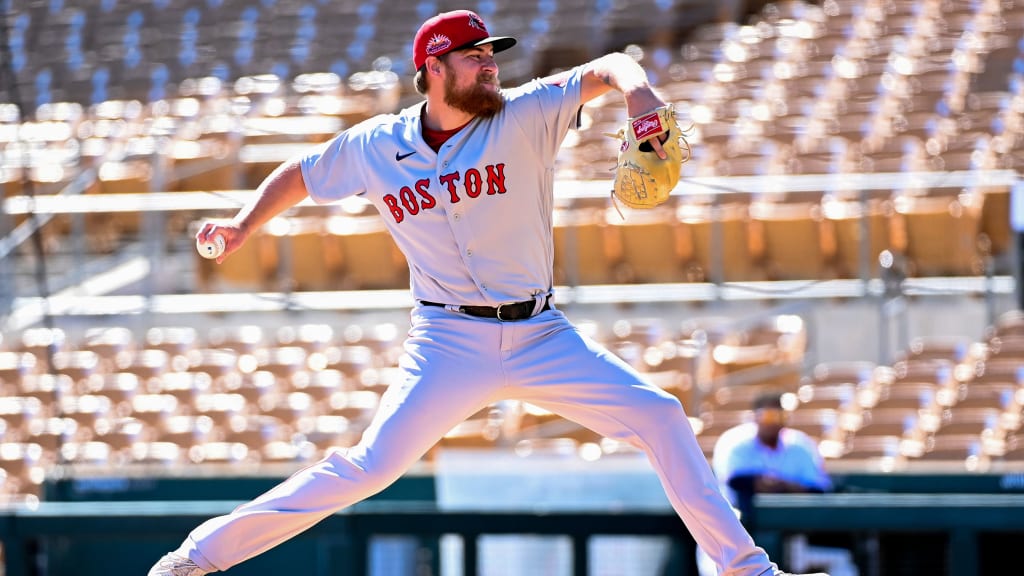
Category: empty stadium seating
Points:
column 248, row 395
column 837, row 87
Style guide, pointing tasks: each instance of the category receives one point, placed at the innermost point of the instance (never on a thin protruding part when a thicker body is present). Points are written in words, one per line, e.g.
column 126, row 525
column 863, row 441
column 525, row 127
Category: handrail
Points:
column 961, row 516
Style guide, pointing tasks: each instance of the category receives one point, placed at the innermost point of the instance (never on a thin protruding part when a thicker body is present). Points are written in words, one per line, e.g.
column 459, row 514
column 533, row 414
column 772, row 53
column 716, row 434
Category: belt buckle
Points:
column 498, row 312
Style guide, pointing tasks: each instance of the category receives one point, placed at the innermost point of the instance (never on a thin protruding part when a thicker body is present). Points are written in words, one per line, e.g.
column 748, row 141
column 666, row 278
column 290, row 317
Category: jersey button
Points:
column 469, row 252
column 457, row 216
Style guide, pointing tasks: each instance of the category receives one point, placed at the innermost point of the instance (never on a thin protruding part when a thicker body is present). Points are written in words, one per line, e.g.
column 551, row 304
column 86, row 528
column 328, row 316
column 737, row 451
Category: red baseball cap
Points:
column 455, row 30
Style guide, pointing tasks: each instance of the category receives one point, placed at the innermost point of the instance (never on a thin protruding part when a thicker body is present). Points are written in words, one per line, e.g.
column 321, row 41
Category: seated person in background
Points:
column 764, row 456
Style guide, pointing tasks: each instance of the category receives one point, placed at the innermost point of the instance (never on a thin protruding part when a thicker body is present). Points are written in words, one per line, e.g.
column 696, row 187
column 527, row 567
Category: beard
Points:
column 476, row 99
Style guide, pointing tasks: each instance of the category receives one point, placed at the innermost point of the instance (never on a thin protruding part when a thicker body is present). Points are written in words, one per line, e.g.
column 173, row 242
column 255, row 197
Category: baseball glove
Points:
column 642, row 180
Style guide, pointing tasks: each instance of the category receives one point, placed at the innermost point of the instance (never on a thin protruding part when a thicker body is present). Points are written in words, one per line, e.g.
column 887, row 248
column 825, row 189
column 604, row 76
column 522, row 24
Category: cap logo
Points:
column 438, row 43
column 476, row 22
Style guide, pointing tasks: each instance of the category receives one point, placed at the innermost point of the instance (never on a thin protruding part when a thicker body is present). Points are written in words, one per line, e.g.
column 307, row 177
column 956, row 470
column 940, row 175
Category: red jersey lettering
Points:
column 427, row 201
column 392, row 204
column 409, row 201
column 473, row 181
column 449, row 181
column 495, row 179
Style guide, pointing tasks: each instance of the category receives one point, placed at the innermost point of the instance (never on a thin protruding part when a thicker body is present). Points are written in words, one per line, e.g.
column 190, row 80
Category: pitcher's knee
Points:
column 664, row 408
column 372, row 472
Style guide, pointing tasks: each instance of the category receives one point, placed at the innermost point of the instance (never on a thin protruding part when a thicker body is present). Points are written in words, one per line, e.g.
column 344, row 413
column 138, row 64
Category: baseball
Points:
column 210, row 249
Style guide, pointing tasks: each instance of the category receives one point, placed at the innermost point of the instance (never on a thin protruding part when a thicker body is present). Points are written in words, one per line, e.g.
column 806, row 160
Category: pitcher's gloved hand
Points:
column 642, row 178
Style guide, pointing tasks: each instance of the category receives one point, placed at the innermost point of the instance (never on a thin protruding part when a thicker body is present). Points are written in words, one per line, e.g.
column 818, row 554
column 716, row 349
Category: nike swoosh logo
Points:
column 399, row 156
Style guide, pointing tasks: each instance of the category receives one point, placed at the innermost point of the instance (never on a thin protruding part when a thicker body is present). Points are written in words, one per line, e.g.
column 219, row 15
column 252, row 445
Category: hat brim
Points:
column 500, row 43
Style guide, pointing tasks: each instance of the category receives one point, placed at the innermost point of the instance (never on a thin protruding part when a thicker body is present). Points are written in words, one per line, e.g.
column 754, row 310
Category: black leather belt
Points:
column 509, row 312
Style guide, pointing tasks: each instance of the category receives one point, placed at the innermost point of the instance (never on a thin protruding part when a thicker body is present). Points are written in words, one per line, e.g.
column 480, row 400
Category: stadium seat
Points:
column 90, row 453
column 310, row 258
column 854, row 222
column 77, row 364
column 938, row 234
column 201, row 164
column 369, row 258
column 820, row 424
column 310, row 337
column 286, row 451
column 107, row 341
column 911, row 396
column 15, row 366
column 23, row 464
column 980, row 395
column 736, row 398
column 870, row 448
column 216, row 362
column 145, row 364
column 966, row 450
column 350, row 360
column 104, row 231
column 716, row 421
column 531, row 422
column 118, row 387
column 856, row 371
column 159, row 453
column 18, row 411
column 997, row 370
column 585, row 248
column 185, row 387
column 798, row 242
column 221, row 407
column 51, row 433
column 722, row 245
column 357, row 406
column 253, row 386
column 637, row 263
column 86, row 410
column 185, row 431
column 1008, row 323
column 379, row 379
column 40, row 342
column 1014, row 451
column 320, row 384
column 901, row 422
column 174, row 340
column 120, row 433
column 242, row 339
column 480, row 431
column 962, row 421
column 328, row 431
column 155, row 409
column 218, row 453
column 287, row 408
column 47, row 388
column 649, row 331
column 255, row 431
column 281, row 361
column 839, row 396
column 1008, row 347
column 954, row 349
column 938, row 371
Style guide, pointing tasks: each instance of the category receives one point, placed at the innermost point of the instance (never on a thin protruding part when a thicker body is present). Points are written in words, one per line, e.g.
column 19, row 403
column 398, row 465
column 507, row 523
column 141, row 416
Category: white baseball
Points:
column 210, row 249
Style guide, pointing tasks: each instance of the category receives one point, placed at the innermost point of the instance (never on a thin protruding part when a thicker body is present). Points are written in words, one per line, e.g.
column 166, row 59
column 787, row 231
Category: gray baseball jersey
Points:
column 474, row 218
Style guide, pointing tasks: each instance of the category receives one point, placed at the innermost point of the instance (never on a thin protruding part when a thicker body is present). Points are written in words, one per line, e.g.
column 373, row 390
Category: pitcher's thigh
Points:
column 579, row 379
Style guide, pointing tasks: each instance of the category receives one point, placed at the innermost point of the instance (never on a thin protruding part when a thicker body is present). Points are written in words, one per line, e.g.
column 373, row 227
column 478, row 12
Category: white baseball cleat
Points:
column 174, row 565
